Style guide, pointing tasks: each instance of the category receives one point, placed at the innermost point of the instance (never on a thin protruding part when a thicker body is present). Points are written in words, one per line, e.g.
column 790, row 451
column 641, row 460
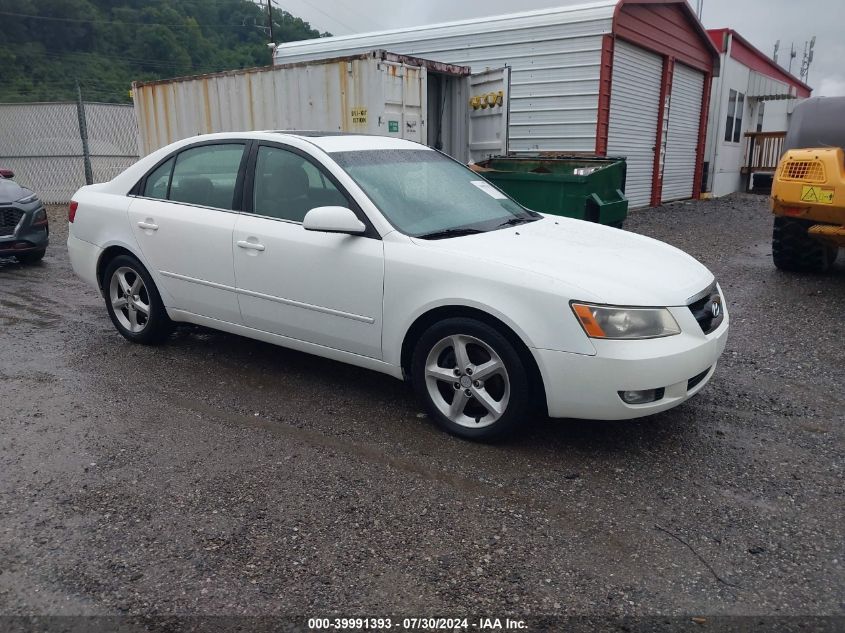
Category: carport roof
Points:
column 612, row 12
column 567, row 11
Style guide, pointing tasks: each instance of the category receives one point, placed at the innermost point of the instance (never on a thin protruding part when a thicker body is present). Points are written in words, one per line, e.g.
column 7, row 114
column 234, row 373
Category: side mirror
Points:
column 333, row 220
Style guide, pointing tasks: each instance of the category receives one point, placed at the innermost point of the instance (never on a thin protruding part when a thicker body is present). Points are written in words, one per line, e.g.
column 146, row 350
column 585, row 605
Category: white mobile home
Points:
column 622, row 78
column 749, row 113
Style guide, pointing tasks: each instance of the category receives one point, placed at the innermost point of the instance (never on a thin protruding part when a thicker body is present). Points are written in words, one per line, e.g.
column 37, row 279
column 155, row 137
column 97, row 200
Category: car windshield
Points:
column 426, row 194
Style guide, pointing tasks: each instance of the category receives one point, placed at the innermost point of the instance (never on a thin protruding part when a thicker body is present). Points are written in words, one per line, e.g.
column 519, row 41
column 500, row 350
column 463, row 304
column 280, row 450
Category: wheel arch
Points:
column 440, row 313
column 108, row 254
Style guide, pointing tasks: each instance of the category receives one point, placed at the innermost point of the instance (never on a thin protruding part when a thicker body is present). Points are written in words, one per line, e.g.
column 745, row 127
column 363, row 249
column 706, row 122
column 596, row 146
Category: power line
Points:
column 65, row 95
column 357, row 14
column 118, row 22
column 330, row 17
column 128, row 59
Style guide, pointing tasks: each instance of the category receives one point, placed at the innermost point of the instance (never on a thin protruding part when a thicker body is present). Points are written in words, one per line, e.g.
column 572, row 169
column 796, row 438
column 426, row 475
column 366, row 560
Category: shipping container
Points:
column 375, row 92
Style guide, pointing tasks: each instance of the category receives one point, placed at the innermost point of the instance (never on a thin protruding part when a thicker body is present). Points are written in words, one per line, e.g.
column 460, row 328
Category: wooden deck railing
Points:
column 762, row 151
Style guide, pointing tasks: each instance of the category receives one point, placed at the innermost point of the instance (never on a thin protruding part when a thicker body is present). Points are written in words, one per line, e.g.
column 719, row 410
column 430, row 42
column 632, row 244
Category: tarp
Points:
column 817, row 122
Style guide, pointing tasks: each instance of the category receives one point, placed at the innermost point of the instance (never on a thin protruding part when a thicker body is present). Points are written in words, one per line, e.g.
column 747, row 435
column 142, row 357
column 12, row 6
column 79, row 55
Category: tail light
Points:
column 71, row 210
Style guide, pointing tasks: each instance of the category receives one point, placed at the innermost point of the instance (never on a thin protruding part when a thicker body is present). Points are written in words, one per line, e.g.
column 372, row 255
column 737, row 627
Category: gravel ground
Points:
column 219, row 475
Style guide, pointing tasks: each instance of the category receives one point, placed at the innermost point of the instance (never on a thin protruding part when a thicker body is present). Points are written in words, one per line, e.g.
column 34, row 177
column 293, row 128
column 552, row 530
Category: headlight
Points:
column 39, row 218
column 28, row 199
column 625, row 323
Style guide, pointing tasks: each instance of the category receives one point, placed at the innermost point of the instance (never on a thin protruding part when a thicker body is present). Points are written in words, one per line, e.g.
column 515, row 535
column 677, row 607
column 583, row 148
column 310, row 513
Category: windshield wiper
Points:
column 515, row 221
column 439, row 235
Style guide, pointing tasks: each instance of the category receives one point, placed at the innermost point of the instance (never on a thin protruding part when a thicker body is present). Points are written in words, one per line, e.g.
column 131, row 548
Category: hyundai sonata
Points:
column 391, row 256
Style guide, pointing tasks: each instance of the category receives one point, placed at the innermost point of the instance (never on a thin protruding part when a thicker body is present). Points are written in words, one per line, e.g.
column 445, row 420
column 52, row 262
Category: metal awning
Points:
column 764, row 88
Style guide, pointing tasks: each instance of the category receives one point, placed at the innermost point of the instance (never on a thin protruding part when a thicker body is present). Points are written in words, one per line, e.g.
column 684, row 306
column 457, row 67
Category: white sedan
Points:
column 391, row 256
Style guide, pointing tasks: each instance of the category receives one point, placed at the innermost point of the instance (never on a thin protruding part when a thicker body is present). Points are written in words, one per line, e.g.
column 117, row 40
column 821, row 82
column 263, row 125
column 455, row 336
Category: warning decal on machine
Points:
column 810, row 193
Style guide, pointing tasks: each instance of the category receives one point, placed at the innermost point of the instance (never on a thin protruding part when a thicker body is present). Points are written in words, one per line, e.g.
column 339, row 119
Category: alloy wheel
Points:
column 467, row 381
column 130, row 299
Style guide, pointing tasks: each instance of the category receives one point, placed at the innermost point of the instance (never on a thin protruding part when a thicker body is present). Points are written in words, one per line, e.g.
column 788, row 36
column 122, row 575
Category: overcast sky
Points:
column 762, row 22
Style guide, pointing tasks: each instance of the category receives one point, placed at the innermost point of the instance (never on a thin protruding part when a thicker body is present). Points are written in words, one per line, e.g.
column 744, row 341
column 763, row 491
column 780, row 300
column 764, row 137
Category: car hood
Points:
column 601, row 263
column 10, row 191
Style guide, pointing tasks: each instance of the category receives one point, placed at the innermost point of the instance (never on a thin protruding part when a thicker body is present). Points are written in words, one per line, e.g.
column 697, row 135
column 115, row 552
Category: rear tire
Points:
column 133, row 302
column 32, row 257
column 794, row 250
column 472, row 380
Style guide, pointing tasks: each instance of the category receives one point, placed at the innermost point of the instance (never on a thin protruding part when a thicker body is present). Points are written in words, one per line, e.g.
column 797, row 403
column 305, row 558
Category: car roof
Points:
column 339, row 142
column 327, row 141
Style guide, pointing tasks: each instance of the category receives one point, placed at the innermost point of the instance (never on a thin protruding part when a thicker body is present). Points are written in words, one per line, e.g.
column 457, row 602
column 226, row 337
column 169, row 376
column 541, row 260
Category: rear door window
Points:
column 206, row 176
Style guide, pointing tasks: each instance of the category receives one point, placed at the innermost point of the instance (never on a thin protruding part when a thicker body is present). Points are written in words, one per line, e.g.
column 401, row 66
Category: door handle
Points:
column 255, row 246
column 148, row 226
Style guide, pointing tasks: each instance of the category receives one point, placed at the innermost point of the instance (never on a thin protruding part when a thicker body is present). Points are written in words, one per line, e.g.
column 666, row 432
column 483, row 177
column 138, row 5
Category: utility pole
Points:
column 83, row 134
column 777, row 47
column 792, row 55
column 270, row 20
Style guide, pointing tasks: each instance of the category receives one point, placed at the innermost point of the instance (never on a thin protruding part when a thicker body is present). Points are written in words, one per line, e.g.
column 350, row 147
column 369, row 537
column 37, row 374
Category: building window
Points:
column 733, row 125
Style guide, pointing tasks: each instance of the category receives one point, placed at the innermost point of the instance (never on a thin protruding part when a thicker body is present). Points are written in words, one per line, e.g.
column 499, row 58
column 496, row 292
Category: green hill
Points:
column 46, row 45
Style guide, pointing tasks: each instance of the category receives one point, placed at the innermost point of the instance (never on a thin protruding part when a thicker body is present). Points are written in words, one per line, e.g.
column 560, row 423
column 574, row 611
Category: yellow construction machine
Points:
column 808, row 189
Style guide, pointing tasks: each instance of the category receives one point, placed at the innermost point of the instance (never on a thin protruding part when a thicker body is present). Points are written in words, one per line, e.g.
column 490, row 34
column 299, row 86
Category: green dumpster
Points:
column 587, row 188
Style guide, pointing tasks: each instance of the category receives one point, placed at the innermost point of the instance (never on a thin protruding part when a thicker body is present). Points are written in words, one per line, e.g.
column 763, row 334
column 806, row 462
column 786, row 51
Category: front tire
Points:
column 471, row 379
column 795, row 251
column 133, row 302
column 32, row 257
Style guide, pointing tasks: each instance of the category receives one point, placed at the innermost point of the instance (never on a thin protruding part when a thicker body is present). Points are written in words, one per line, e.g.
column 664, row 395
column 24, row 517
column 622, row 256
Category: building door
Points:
column 634, row 105
column 684, row 117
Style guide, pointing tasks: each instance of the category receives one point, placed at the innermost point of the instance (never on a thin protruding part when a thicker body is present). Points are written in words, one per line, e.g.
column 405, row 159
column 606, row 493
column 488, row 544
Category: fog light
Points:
column 644, row 396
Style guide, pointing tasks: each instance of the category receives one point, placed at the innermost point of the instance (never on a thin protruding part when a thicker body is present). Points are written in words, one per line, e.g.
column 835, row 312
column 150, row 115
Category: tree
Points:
column 107, row 44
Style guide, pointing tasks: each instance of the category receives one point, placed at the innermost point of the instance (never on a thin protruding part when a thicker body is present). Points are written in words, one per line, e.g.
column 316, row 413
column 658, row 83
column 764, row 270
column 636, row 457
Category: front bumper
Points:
column 587, row 387
column 25, row 237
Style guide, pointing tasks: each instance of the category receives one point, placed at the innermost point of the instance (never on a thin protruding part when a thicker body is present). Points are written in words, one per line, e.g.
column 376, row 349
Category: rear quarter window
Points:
column 157, row 181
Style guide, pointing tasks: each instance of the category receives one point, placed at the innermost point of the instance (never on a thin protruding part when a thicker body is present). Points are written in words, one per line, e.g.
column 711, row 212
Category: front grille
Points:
column 708, row 310
column 696, row 380
column 806, row 170
column 9, row 219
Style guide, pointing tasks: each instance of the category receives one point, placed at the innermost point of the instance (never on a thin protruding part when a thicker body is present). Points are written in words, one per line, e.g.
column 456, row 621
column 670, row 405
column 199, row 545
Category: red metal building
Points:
column 656, row 71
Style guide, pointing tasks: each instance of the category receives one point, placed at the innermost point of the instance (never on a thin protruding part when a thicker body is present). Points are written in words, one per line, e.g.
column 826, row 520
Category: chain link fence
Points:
column 42, row 144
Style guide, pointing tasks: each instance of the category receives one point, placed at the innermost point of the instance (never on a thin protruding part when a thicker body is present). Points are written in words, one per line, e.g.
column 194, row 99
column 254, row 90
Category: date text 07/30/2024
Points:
column 412, row 624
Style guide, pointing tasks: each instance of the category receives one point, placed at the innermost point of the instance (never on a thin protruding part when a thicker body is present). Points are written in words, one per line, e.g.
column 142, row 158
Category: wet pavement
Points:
column 219, row 475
